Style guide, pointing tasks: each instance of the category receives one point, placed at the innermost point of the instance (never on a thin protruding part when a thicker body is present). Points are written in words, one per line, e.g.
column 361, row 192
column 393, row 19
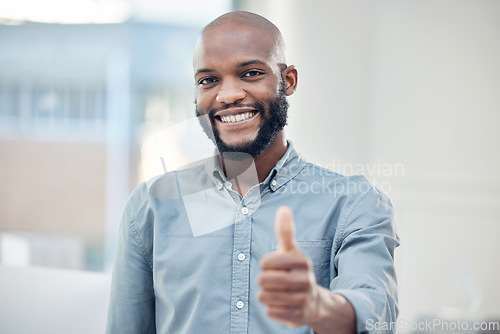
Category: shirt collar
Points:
column 290, row 164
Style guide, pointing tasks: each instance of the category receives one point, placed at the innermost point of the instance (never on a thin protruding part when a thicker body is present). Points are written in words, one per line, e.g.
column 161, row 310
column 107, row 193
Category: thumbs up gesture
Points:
column 289, row 287
column 285, row 231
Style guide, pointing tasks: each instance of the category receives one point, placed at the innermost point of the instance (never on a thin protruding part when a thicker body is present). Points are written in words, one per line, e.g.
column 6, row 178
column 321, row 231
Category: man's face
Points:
column 240, row 86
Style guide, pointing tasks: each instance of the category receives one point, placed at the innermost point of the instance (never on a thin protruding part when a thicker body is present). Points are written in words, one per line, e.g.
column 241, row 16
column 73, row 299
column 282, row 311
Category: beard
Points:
column 274, row 120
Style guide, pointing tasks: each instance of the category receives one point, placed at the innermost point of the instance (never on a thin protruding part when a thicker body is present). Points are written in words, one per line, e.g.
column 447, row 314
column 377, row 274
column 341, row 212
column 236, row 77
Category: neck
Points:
column 249, row 171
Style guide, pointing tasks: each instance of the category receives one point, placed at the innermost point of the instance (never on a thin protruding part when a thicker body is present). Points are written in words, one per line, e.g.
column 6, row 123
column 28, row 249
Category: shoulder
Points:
column 166, row 187
column 336, row 183
column 137, row 200
column 363, row 209
column 351, row 192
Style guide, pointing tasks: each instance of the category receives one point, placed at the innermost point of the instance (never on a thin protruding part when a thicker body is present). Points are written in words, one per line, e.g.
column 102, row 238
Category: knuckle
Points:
column 302, row 280
column 301, row 299
column 299, row 313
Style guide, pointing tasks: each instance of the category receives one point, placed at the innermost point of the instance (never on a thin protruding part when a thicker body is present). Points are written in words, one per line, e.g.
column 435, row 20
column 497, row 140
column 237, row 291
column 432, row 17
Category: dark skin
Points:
column 290, row 291
column 243, row 73
column 237, row 64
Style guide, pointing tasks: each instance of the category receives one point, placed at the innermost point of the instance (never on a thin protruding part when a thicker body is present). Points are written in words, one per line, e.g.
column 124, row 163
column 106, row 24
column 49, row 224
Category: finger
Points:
column 278, row 280
column 285, row 230
column 279, row 261
column 292, row 316
column 285, row 299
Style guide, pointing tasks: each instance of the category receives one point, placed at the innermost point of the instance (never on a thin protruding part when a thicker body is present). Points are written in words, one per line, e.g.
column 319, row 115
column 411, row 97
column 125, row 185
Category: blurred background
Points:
column 405, row 92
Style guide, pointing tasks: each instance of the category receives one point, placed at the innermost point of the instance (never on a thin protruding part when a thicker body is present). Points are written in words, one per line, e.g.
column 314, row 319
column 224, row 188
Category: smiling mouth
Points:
column 236, row 118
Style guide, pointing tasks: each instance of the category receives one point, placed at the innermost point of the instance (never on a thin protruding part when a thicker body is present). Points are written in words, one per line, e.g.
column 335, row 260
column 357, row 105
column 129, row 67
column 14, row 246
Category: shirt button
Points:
column 241, row 256
column 244, row 210
column 240, row 304
column 273, row 183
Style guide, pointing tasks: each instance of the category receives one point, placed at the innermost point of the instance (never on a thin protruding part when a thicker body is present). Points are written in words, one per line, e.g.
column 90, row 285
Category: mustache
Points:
column 256, row 105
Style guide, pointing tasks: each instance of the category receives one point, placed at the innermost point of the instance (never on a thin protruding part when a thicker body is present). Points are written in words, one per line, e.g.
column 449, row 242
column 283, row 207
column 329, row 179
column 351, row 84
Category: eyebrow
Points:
column 204, row 70
column 251, row 62
column 246, row 63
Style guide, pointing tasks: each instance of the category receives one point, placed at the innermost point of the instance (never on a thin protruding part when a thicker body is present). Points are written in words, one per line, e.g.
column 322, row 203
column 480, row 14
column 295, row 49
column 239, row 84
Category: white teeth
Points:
column 237, row 118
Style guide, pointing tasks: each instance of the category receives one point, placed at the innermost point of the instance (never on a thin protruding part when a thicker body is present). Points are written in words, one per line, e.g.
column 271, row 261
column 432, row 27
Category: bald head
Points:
column 247, row 22
column 242, row 81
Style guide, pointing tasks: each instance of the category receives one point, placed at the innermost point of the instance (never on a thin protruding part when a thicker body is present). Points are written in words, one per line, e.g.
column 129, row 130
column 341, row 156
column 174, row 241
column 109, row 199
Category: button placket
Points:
column 241, row 269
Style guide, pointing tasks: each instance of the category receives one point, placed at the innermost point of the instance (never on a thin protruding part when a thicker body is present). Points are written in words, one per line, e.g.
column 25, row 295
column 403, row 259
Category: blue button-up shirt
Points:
column 189, row 248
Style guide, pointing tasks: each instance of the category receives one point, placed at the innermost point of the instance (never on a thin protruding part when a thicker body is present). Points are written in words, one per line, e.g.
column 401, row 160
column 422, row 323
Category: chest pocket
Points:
column 319, row 251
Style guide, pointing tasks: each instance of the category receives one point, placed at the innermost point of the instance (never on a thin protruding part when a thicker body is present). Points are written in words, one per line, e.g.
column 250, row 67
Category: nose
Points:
column 230, row 92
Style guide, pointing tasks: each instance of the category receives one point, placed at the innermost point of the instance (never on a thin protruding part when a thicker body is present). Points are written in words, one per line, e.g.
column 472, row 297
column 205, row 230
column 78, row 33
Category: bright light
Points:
column 197, row 12
column 57, row 11
column 175, row 147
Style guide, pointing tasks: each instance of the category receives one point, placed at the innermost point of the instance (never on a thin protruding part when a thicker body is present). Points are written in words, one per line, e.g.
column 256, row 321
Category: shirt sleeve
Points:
column 132, row 302
column 364, row 260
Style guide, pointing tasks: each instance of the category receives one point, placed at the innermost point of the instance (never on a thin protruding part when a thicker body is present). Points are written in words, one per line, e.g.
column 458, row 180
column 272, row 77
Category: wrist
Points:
column 333, row 313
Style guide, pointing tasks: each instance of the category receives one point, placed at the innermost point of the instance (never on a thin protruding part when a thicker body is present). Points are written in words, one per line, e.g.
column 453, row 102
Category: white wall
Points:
column 410, row 89
column 47, row 300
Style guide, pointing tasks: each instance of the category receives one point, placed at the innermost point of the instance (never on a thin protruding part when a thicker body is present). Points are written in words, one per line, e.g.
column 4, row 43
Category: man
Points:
column 199, row 250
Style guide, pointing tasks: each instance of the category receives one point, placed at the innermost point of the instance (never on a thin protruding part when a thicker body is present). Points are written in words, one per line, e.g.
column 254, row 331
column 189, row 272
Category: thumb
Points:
column 285, row 230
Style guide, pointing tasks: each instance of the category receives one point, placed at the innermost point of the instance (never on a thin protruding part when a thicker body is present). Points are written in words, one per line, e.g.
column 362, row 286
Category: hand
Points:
column 289, row 287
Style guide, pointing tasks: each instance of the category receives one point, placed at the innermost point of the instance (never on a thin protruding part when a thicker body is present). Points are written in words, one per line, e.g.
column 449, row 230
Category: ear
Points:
column 291, row 77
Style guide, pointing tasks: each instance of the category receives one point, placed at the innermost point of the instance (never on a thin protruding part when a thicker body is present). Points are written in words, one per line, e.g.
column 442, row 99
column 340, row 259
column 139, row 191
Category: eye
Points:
column 252, row 73
column 207, row 81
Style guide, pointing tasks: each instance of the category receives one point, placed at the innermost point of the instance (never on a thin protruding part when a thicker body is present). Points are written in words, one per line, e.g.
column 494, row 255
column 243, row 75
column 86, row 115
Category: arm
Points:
column 290, row 291
column 131, row 308
column 364, row 260
column 365, row 289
